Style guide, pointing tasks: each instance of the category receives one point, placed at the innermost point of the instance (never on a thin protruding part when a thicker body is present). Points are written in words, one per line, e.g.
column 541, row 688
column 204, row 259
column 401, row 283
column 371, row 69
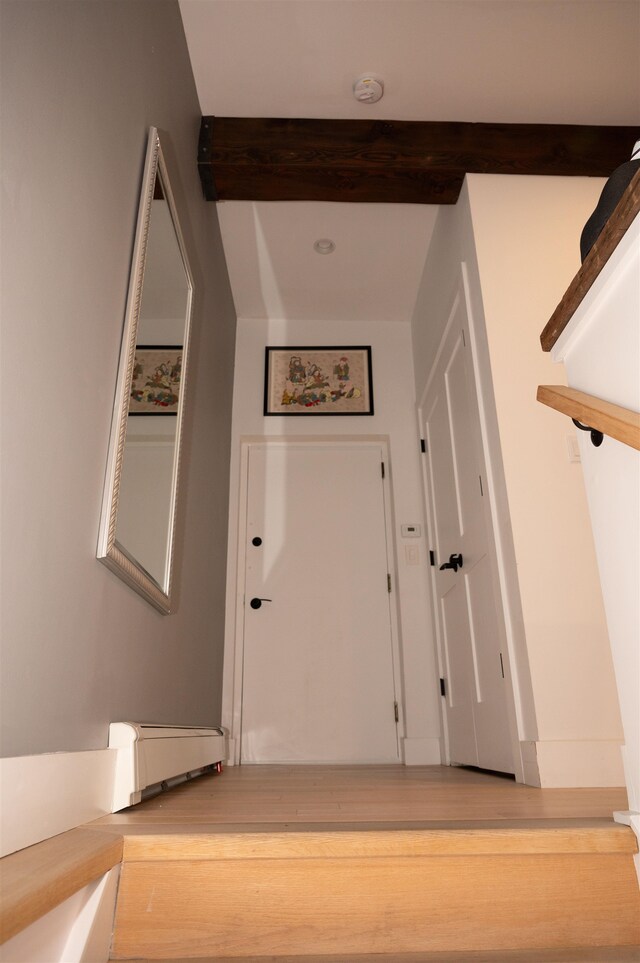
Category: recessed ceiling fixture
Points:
column 368, row 89
column 324, row 246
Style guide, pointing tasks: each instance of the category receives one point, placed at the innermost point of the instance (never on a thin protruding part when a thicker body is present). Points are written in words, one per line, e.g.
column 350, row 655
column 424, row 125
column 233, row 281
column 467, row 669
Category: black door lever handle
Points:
column 455, row 562
column 257, row 603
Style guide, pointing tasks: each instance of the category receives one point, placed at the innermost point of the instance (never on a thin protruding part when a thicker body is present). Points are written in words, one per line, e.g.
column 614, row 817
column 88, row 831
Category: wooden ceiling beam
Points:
column 380, row 161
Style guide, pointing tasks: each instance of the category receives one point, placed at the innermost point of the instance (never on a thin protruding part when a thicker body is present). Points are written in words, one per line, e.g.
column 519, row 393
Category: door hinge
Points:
column 432, row 557
column 388, row 582
column 382, row 468
column 481, row 488
column 396, row 712
column 443, row 688
column 464, row 340
column 423, row 445
column 501, row 665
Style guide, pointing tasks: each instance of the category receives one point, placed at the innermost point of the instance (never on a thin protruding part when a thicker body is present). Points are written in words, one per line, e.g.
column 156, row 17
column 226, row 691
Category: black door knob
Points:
column 455, row 562
column 257, row 541
column 257, row 603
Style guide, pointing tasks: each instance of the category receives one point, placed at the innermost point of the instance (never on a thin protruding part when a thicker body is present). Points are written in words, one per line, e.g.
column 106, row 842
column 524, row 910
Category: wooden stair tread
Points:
column 351, row 894
column 381, row 864
column 200, row 827
column 599, row 838
column 580, row 954
column 39, row 878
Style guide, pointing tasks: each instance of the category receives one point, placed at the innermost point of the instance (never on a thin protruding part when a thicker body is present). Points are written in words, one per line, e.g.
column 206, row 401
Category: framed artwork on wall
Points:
column 155, row 383
column 318, row 381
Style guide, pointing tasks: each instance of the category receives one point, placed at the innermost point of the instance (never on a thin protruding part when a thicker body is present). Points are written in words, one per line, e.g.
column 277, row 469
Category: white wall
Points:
column 81, row 85
column 394, row 418
column 520, row 239
column 600, row 349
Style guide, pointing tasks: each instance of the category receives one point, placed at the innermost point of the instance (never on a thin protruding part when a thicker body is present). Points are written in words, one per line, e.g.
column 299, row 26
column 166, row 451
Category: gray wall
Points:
column 81, row 84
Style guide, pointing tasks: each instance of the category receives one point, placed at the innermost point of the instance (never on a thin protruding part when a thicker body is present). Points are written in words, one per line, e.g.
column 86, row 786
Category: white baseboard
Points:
column 573, row 764
column 44, row 795
column 421, row 752
column 635, row 825
column 631, row 818
column 530, row 771
column 233, row 751
column 47, row 794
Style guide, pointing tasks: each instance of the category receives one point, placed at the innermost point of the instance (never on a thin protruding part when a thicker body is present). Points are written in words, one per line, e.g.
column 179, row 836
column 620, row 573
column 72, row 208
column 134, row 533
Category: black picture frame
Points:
column 318, row 381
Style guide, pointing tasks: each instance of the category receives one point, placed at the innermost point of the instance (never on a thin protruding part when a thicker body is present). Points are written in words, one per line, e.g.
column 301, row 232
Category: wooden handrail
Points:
column 37, row 879
column 613, row 420
column 612, row 233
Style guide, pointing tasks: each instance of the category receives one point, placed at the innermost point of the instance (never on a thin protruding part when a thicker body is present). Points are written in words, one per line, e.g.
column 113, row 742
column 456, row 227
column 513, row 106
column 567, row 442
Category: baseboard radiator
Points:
column 155, row 757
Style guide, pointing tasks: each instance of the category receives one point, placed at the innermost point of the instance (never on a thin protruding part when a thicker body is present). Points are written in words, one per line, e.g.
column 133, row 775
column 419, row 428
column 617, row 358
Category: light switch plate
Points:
column 573, row 448
column 412, row 554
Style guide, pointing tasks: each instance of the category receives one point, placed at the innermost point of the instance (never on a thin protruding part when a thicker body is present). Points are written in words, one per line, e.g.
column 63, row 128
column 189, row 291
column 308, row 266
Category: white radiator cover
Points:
column 149, row 754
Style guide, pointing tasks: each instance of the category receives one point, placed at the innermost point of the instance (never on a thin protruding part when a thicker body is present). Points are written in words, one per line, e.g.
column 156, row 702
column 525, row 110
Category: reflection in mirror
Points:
column 138, row 517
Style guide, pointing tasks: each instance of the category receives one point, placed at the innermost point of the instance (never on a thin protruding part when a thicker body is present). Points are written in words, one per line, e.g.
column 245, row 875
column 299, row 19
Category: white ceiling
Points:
column 506, row 61
column 373, row 273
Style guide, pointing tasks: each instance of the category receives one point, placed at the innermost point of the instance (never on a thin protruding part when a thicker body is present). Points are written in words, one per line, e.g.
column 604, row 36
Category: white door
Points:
column 318, row 680
column 469, row 617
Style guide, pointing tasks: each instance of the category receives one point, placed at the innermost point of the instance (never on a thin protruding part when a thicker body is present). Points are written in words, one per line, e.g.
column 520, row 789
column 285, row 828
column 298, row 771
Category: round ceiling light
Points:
column 324, row 246
column 368, row 90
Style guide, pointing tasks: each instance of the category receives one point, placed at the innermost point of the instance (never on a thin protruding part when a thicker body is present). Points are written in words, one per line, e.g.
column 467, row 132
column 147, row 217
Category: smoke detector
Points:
column 368, row 89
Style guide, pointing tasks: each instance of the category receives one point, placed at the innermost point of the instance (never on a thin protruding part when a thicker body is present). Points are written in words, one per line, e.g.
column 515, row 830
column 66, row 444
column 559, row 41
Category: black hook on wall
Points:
column 596, row 436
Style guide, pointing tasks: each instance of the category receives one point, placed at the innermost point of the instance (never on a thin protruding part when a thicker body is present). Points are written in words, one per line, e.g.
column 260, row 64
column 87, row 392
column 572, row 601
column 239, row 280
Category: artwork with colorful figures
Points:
column 320, row 381
column 155, row 383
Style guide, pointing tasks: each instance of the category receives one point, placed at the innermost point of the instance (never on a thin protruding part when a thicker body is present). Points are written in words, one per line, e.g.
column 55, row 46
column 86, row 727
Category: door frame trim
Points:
column 234, row 652
column 487, row 464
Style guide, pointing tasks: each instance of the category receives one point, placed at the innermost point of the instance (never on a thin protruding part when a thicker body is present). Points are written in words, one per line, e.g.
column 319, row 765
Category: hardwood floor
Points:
column 259, row 798
column 420, row 864
column 583, row 954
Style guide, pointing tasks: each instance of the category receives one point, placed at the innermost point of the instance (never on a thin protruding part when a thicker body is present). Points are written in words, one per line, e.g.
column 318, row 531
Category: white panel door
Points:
column 469, row 616
column 318, row 681
column 453, row 614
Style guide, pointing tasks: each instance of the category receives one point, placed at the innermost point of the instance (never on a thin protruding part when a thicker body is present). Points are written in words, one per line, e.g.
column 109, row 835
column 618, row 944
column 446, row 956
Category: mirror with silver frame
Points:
column 136, row 537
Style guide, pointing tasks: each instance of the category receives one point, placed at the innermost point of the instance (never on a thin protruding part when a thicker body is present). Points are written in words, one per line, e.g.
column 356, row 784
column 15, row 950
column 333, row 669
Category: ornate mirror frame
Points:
column 110, row 551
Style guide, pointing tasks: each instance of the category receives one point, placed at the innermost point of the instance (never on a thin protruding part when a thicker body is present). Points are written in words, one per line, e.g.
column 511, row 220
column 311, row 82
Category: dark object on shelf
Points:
column 611, row 194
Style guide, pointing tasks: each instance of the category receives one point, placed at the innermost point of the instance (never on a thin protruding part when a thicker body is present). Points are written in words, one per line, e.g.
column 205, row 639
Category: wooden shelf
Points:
column 626, row 210
column 613, row 420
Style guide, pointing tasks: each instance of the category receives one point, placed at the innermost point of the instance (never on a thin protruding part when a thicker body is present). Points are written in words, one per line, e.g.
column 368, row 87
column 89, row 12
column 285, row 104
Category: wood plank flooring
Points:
column 581, row 954
column 295, row 798
column 376, row 861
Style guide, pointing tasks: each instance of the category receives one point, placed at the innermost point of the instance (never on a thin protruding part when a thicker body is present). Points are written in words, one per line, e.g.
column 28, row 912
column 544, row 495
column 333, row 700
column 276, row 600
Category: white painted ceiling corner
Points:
column 506, row 61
